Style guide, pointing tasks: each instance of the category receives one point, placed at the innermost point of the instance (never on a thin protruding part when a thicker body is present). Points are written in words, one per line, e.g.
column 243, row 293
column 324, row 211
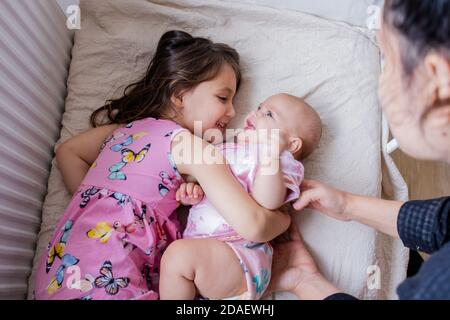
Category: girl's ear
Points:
column 177, row 101
column 295, row 144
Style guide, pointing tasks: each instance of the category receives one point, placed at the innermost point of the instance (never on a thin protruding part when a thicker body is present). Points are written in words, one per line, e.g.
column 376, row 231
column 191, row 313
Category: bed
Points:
column 332, row 62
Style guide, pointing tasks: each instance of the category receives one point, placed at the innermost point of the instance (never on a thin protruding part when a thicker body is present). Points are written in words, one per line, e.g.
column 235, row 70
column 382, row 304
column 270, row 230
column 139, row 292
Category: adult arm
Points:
column 421, row 225
column 424, row 225
column 379, row 214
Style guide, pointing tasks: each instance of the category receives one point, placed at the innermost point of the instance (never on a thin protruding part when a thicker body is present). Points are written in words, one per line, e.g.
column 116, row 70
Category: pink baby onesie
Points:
column 205, row 221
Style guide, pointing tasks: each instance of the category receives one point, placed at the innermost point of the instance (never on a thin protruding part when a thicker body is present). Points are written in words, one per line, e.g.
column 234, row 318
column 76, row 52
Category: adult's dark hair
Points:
column 424, row 24
column 180, row 63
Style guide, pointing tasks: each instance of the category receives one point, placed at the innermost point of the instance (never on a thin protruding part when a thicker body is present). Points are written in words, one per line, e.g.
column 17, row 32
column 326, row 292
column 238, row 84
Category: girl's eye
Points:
column 223, row 99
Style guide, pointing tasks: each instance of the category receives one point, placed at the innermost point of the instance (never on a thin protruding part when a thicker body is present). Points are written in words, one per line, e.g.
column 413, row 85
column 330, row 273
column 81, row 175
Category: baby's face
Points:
column 299, row 124
column 281, row 112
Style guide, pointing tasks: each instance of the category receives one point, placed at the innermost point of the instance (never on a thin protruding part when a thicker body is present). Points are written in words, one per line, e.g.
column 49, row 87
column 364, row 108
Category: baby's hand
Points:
column 189, row 194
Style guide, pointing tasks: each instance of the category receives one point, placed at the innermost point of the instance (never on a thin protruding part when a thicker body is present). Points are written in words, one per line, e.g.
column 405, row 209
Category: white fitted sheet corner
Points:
column 333, row 65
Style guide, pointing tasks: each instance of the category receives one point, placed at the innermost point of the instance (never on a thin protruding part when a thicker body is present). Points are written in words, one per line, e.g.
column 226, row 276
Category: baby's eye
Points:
column 223, row 99
column 269, row 114
column 259, row 107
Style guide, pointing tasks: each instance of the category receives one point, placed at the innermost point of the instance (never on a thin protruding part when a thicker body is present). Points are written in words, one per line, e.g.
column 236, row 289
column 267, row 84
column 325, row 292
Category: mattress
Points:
column 333, row 65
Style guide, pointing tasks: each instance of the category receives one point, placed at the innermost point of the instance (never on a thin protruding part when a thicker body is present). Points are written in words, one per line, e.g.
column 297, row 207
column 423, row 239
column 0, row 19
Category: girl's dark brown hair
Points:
column 181, row 62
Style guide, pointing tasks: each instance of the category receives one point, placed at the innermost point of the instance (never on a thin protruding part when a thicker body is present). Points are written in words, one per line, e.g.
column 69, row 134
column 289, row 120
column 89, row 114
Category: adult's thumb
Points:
column 304, row 200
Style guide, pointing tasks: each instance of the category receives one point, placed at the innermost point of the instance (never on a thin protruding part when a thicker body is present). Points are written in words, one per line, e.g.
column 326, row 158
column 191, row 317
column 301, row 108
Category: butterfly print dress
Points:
column 109, row 242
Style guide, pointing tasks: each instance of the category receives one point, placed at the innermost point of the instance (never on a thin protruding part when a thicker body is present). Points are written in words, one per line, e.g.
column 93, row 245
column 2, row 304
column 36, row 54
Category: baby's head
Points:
column 299, row 124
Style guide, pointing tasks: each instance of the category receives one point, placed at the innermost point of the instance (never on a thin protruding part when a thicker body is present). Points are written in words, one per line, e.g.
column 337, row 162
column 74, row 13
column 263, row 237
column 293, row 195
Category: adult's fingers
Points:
column 305, row 199
column 308, row 184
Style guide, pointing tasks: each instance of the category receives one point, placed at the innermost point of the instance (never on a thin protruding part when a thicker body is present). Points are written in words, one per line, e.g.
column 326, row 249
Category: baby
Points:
column 212, row 260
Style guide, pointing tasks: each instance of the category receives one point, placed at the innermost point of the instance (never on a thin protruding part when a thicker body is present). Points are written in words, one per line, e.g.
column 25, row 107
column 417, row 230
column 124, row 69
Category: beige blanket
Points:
column 334, row 66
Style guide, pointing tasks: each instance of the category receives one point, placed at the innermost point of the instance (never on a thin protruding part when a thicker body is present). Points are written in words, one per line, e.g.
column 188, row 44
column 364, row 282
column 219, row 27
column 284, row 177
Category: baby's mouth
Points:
column 221, row 125
column 249, row 125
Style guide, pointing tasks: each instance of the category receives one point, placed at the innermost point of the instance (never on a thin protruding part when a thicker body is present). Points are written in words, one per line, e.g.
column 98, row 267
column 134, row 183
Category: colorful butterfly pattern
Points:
column 261, row 281
column 128, row 141
column 112, row 138
column 86, row 196
column 124, row 228
column 128, row 156
column 57, row 251
column 101, row 232
column 168, row 182
column 174, row 167
column 121, row 198
column 106, row 280
column 67, row 261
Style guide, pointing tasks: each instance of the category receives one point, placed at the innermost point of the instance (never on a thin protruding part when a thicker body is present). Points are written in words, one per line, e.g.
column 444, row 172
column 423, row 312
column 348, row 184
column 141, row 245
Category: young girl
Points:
column 109, row 242
column 195, row 264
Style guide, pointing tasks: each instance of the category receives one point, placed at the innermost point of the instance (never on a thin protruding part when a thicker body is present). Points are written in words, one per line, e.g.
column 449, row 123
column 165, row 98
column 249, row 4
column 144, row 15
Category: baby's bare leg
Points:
column 205, row 266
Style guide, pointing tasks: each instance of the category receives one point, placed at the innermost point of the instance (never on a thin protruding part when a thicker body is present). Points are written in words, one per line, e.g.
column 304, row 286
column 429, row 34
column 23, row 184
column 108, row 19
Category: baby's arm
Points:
column 76, row 155
column 269, row 190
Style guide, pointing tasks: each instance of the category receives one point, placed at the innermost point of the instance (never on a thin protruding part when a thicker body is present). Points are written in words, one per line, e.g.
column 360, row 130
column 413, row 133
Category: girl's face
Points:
column 210, row 104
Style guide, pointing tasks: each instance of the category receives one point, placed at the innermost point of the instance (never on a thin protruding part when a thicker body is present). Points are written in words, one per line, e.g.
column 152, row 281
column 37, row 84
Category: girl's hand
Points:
column 189, row 194
column 323, row 198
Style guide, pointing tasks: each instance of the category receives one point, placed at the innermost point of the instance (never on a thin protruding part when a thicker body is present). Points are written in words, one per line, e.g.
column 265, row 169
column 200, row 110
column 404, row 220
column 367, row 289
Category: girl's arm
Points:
column 195, row 157
column 76, row 155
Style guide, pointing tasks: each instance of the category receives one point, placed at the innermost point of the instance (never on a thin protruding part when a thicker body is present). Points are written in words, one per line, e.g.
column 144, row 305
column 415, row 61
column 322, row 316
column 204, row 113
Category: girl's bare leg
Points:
column 200, row 266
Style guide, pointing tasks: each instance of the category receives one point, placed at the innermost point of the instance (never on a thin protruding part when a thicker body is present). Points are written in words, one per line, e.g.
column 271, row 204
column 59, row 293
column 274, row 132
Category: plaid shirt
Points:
column 424, row 226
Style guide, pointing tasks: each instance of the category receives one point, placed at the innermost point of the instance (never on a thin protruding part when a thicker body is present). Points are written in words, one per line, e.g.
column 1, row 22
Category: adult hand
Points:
column 294, row 269
column 323, row 198
column 292, row 263
column 379, row 214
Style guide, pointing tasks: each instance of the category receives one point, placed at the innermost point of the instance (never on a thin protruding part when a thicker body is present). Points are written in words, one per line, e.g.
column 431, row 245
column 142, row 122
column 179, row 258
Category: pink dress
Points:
column 109, row 242
column 205, row 221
